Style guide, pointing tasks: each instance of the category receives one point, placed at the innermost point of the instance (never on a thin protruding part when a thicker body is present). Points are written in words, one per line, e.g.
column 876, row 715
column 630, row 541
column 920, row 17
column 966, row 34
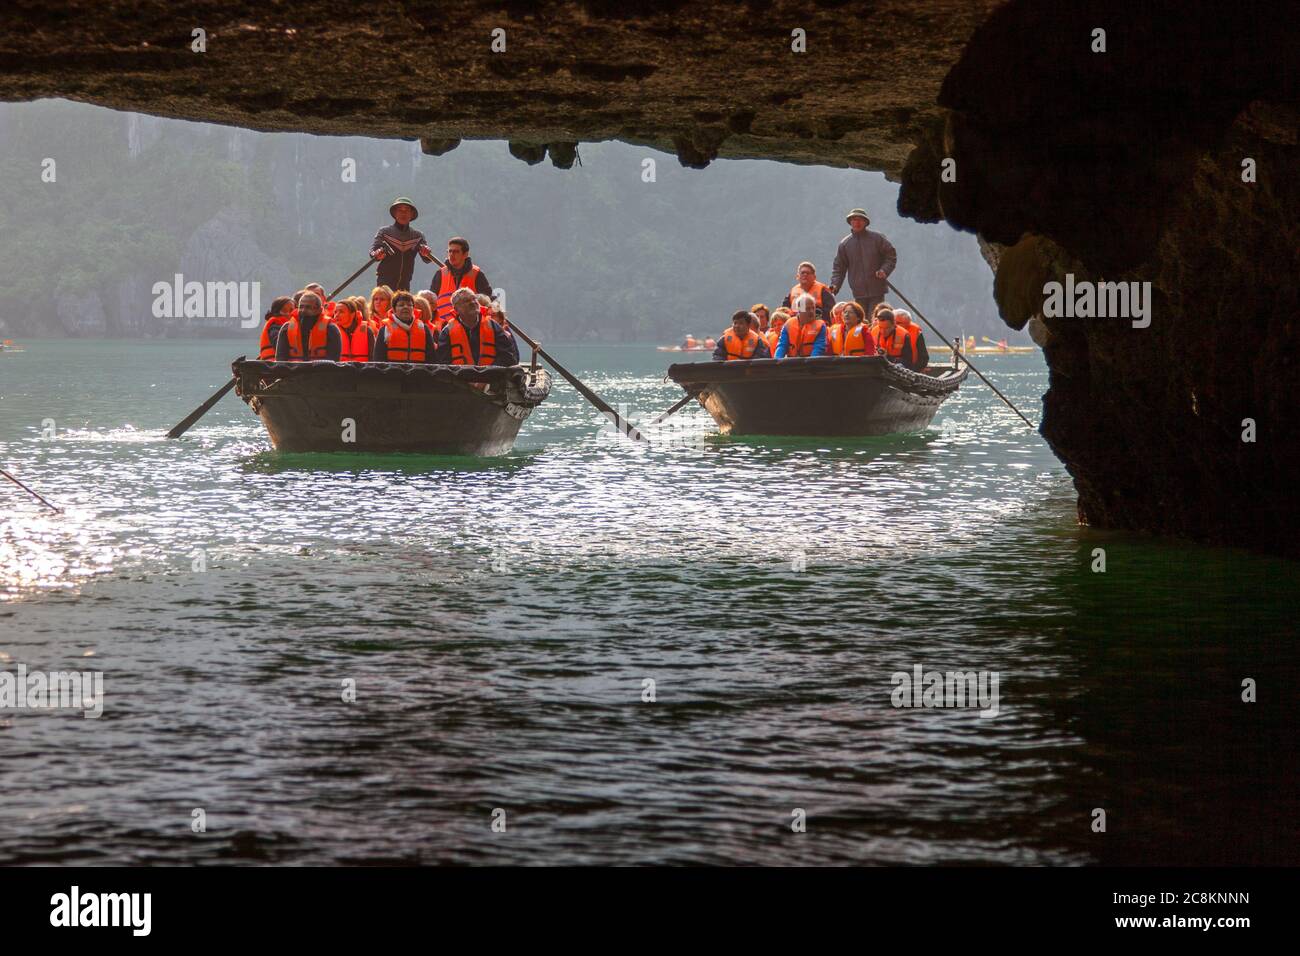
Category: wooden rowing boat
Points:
column 826, row 395
column 391, row 406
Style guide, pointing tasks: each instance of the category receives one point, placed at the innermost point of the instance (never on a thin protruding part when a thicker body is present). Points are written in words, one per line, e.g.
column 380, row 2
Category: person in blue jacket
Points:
column 810, row 330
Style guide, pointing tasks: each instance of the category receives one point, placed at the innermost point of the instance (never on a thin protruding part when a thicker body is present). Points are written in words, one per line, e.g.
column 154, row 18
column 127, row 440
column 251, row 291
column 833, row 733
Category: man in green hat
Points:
column 395, row 247
column 865, row 258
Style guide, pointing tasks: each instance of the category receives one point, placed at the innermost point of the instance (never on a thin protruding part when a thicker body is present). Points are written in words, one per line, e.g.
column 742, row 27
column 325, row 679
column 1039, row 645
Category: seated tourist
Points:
column 764, row 316
column 471, row 339
column 804, row 335
column 774, row 327
column 381, row 304
column 741, row 341
column 280, row 312
column 309, row 336
column 852, row 338
column 916, row 356
column 403, row 338
column 358, row 339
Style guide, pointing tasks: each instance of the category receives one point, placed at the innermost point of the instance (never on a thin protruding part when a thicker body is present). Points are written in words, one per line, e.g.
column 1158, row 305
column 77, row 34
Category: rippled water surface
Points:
column 500, row 619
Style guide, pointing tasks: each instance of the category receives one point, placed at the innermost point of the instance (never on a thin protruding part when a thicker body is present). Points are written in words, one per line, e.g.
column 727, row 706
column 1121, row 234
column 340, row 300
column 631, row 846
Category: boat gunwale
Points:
column 696, row 376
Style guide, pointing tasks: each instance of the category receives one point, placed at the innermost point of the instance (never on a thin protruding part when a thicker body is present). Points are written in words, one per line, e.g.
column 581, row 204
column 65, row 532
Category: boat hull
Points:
column 818, row 396
column 390, row 407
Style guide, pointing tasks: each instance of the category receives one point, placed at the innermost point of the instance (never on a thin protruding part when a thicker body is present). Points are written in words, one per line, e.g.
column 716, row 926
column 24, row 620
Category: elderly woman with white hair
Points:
column 804, row 335
column 472, row 338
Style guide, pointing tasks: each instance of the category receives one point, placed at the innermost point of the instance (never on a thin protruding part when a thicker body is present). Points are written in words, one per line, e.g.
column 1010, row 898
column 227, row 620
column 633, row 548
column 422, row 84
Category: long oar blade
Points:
column 621, row 423
column 30, row 491
column 199, row 412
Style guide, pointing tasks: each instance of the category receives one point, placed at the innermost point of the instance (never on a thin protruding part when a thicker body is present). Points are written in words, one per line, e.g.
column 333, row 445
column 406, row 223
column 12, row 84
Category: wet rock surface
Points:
column 1116, row 165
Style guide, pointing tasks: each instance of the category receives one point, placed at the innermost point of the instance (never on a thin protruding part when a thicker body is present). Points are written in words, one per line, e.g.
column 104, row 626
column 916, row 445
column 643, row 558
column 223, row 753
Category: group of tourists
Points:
column 809, row 322
column 453, row 322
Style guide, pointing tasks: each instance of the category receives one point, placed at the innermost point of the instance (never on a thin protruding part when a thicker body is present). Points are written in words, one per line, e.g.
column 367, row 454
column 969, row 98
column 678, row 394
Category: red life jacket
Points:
column 853, row 341
column 737, row 348
column 407, row 345
column 799, row 340
column 317, row 341
column 265, row 347
column 447, row 285
column 356, row 344
column 460, row 350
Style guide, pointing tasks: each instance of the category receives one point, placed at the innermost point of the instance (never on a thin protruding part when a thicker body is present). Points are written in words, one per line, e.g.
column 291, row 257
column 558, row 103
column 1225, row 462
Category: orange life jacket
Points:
column 737, row 348
column 911, row 330
column 356, row 344
column 408, row 345
column 799, row 340
column 461, row 353
column 316, row 341
column 894, row 343
column 773, row 336
column 816, row 292
column 265, row 347
column 853, row 341
column 447, row 285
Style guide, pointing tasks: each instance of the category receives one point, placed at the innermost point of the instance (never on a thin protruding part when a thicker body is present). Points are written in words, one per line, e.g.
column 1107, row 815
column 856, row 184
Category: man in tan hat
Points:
column 865, row 258
column 395, row 247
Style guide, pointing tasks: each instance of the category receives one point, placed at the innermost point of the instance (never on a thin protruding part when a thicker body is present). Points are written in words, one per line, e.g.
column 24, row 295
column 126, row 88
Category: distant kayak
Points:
column 679, row 348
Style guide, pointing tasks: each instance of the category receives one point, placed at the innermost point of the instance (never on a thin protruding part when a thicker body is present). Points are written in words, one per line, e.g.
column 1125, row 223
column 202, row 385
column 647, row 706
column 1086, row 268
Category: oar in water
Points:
column 34, row 494
column 621, row 423
column 677, row 407
column 965, row 358
column 202, row 410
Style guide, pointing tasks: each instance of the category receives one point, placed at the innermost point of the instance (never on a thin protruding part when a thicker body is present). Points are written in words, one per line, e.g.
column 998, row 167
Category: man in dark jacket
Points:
column 294, row 343
column 866, row 259
column 463, row 330
column 396, row 246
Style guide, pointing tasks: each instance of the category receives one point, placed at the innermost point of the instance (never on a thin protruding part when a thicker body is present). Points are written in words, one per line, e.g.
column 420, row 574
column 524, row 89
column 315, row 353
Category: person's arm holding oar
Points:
column 189, row 420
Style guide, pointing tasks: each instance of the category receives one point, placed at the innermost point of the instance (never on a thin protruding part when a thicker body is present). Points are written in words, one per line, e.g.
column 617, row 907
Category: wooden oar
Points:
column 621, row 423
column 31, row 492
column 965, row 358
column 202, row 410
column 199, row 412
column 677, row 407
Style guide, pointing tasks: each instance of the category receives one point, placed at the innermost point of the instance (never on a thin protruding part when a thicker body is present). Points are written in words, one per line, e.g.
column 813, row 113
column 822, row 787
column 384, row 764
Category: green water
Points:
column 499, row 619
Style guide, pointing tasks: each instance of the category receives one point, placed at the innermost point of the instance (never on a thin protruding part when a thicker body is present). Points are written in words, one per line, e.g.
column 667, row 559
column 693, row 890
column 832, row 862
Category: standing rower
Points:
column 865, row 259
column 396, row 246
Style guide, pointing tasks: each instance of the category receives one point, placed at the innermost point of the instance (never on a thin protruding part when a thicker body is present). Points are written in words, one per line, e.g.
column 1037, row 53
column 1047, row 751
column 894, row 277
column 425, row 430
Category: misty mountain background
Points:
column 589, row 253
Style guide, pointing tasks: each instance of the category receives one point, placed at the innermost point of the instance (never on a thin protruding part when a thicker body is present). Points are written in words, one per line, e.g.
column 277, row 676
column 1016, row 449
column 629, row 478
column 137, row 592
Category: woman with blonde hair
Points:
column 381, row 303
